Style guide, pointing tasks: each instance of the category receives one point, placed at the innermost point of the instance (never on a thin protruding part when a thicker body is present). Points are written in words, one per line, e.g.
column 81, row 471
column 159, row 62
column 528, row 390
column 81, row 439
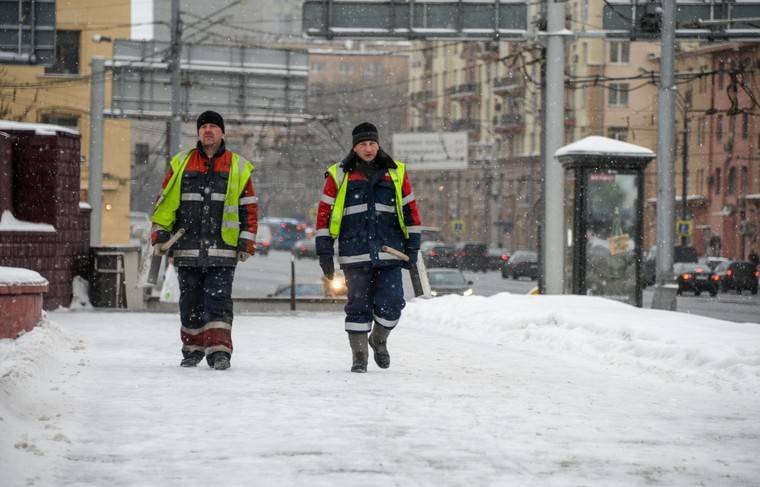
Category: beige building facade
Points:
column 61, row 95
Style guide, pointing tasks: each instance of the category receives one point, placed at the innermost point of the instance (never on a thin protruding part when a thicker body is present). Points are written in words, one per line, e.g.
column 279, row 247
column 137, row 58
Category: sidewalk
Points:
column 526, row 396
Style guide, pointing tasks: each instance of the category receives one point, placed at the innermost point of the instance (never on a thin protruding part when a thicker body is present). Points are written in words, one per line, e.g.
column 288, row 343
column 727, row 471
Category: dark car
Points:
column 738, row 276
column 304, row 249
column 448, row 281
column 696, row 278
column 285, row 232
column 439, row 254
column 496, row 258
column 523, row 263
column 649, row 266
column 472, row 256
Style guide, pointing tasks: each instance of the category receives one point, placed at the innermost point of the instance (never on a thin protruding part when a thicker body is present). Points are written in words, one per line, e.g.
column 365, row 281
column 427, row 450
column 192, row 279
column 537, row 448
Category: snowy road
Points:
column 566, row 404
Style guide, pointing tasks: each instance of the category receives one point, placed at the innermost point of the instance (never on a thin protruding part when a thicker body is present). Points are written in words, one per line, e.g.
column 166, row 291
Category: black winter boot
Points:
column 359, row 351
column 378, row 340
column 191, row 359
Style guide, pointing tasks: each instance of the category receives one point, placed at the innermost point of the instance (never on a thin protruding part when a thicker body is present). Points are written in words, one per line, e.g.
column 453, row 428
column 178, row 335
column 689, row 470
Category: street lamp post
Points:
column 685, row 168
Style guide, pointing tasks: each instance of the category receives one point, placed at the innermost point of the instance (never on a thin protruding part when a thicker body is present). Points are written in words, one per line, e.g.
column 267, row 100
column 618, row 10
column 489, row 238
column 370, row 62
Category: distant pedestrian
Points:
column 209, row 193
column 753, row 257
column 367, row 203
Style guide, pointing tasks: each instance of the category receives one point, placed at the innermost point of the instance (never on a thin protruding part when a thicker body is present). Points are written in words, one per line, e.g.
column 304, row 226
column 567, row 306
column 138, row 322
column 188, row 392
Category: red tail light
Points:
column 505, row 258
column 715, row 277
column 757, row 273
column 433, row 253
column 685, row 277
column 729, row 273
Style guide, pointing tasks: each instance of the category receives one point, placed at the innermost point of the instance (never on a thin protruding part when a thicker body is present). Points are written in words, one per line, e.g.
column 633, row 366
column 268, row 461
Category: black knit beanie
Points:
column 210, row 117
column 365, row 131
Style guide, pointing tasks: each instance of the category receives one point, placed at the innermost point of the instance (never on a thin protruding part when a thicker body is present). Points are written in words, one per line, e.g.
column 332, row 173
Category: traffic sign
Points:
column 683, row 227
column 458, row 227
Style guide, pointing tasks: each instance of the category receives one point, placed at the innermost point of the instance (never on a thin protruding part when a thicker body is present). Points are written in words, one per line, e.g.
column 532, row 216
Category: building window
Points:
column 317, row 67
column 721, row 77
column 63, row 120
column 142, row 154
column 702, row 82
column 618, row 95
column 717, row 181
column 719, row 128
column 373, row 69
column 620, row 52
column 345, row 68
column 745, row 180
column 618, row 133
column 701, row 131
column 66, row 53
column 731, row 183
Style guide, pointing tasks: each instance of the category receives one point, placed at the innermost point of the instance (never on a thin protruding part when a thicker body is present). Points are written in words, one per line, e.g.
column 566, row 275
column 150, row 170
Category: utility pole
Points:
column 174, row 64
column 665, row 291
column 493, row 194
column 685, row 168
column 554, row 135
column 95, row 155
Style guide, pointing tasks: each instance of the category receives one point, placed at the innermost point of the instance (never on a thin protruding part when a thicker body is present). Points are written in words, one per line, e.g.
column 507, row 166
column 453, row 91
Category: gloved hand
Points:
column 243, row 256
column 327, row 265
column 412, row 262
column 159, row 237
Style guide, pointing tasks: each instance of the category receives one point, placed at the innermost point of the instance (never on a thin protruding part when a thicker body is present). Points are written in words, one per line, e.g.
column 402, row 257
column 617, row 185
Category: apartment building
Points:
column 60, row 94
column 490, row 91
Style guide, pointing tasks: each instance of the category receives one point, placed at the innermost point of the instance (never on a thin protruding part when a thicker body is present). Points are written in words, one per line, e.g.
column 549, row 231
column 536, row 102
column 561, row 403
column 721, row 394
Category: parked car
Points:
column 285, row 231
column 472, row 256
column 523, row 263
column 306, row 248
column 738, row 276
column 448, row 281
column 303, row 290
column 439, row 254
column 649, row 266
column 263, row 240
column 496, row 257
column 696, row 278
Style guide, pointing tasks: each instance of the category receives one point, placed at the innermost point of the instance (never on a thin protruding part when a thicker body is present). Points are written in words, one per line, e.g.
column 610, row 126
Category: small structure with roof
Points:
column 604, row 201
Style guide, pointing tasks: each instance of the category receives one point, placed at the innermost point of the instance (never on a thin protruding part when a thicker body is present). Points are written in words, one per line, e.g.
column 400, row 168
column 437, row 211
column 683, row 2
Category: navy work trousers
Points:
column 205, row 308
column 374, row 294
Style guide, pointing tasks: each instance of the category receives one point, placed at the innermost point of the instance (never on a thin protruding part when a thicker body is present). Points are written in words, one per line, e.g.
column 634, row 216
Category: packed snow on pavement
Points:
column 500, row 390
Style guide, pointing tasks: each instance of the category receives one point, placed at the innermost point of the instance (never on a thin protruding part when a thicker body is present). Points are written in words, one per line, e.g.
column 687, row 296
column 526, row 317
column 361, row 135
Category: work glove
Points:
column 412, row 254
column 327, row 265
column 243, row 256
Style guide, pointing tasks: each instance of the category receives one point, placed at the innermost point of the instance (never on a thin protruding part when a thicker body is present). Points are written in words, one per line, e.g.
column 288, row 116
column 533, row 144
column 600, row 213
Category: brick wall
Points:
column 45, row 189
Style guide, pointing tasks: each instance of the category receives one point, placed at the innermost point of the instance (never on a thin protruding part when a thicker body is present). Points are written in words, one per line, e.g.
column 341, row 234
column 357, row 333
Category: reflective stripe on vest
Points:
column 165, row 210
column 336, row 216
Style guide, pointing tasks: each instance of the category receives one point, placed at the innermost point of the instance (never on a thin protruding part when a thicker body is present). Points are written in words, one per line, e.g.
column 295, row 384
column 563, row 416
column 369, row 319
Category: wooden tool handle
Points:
column 167, row 245
column 397, row 253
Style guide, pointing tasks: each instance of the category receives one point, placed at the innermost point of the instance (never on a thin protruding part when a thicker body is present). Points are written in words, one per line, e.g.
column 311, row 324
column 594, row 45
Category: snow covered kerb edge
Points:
column 21, row 293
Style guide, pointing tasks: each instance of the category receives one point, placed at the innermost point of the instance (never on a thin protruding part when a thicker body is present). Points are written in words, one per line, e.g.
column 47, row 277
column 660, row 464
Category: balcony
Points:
column 466, row 90
column 425, row 96
column 509, row 122
column 464, row 125
column 508, row 86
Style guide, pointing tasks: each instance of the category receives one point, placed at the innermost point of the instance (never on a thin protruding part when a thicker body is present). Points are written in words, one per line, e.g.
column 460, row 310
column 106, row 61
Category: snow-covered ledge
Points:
column 9, row 223
column 21, row 293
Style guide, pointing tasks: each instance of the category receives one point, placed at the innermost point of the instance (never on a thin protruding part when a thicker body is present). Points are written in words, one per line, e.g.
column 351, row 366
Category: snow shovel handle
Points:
column 167, row 245
column 397, row 253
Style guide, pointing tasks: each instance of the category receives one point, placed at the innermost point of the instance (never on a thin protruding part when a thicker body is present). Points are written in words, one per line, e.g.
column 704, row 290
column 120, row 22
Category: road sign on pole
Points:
column 684, row 228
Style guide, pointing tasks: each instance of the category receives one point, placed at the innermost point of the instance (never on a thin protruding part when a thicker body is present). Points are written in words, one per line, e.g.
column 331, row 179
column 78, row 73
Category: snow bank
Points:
column 669, row 346
column 33, row 403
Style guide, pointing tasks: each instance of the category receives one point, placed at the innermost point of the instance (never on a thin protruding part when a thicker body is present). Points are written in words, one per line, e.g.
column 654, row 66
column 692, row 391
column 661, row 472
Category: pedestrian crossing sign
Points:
column 683, row 228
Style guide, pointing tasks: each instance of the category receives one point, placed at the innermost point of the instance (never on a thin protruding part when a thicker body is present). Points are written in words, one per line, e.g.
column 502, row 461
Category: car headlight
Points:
column 434, row 293
column 467, row 292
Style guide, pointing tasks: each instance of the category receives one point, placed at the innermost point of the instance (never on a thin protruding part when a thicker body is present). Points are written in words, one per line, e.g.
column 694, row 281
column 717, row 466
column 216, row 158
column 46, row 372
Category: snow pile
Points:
column 9, row 223
column 667, row 345
column 80, row 294
column 30, row 434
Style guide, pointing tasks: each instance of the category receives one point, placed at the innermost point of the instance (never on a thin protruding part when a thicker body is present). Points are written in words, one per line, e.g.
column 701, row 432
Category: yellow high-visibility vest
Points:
column 165, row 210
column 336, row 216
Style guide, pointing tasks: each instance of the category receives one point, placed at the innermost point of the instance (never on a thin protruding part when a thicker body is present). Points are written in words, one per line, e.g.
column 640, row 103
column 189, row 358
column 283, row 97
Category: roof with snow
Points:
column 38, row 128
column 603, row 146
